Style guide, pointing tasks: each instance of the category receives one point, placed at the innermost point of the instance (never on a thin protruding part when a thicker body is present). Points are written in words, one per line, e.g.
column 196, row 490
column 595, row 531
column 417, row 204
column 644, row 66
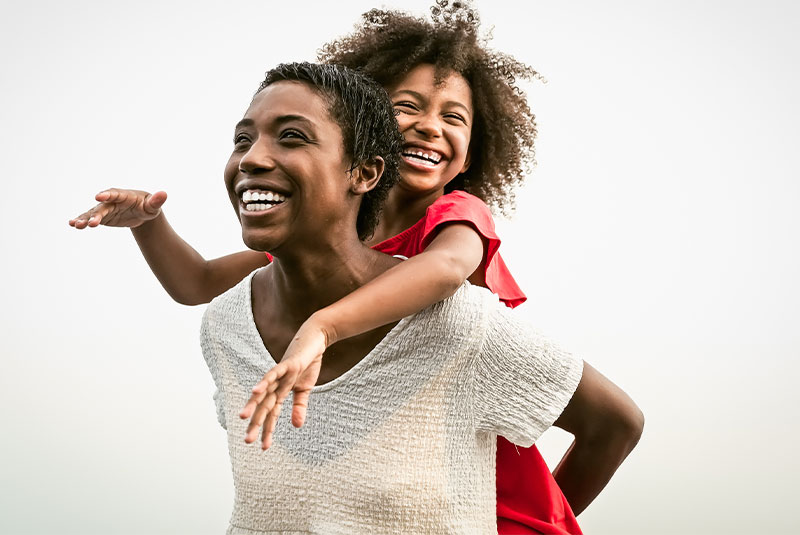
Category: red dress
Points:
column 528, row 498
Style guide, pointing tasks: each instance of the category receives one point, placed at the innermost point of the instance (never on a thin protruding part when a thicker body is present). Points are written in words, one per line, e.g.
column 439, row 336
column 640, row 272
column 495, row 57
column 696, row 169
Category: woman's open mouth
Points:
column 261, row 200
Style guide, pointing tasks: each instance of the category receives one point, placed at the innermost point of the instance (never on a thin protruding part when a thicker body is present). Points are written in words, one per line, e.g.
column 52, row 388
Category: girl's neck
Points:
column 402, row 210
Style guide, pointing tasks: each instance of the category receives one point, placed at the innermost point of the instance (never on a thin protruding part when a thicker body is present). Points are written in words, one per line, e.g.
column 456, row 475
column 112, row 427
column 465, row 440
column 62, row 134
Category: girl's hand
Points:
column 297, row 372
column 121, row 208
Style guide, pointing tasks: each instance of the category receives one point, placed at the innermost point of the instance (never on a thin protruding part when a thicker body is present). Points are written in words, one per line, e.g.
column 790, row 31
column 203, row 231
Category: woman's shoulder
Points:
column 233, row 303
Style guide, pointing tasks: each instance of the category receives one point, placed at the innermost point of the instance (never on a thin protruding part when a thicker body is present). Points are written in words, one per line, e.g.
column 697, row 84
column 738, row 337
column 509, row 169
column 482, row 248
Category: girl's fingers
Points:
column 251, row 405
column 154, row 202
column 112, row 195
column 269, row 427
column 258, row 418
column 85, row 219
column 100, row 212
column 299, row 407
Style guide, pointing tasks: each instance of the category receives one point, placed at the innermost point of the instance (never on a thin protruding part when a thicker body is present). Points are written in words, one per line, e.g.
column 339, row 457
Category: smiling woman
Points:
column 406, row 415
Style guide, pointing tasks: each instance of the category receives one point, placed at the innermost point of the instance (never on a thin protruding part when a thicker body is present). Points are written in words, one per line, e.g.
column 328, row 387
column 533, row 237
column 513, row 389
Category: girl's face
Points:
column 288, row 174
column 436, row 123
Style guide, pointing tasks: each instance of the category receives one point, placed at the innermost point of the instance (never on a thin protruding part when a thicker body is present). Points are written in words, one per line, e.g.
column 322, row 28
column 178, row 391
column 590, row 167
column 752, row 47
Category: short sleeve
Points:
column 211, row 352
column 522, row 380
column 461, row 207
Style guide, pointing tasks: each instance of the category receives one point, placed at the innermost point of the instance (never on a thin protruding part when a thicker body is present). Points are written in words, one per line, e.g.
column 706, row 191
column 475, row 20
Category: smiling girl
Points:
column 468, row 140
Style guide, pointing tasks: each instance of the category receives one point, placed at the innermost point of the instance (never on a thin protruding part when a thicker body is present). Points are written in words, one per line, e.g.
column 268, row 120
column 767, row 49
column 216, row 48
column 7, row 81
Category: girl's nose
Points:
column 428, row 125
column 257, row 160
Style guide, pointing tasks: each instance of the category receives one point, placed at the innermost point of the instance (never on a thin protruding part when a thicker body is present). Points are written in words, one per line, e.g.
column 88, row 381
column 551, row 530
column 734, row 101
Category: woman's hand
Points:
column 121, row 208
column 297, row 372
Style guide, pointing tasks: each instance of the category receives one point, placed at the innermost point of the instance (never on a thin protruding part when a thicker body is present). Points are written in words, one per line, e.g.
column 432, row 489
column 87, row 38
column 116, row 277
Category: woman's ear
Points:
column 366, row 175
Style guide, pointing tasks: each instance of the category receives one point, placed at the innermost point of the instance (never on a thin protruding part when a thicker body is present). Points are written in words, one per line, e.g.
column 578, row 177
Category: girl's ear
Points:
column 366, row 176
column 467, row 160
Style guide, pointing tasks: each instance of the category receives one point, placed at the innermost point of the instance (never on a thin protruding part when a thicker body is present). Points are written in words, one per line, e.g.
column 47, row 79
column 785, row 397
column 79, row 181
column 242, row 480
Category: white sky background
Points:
column 657, row 238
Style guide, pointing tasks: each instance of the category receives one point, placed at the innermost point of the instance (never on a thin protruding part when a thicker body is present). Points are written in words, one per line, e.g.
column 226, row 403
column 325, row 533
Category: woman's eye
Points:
column 293, row 134
column 241, row 138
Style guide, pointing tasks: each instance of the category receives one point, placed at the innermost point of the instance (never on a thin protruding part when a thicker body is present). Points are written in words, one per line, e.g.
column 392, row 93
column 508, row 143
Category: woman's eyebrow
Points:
column 243, row 123
column 283, row 119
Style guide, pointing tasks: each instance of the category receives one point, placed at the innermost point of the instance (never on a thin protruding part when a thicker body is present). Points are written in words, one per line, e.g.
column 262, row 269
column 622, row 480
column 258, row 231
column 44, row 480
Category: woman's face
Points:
column 436, row 123
column 288, row 174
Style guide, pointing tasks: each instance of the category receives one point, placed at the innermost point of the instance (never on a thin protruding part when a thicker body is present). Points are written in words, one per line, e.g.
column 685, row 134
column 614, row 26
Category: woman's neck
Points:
column 301, row 282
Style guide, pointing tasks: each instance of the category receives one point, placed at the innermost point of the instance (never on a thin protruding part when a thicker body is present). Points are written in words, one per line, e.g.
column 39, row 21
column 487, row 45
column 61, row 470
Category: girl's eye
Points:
column 456, row 117
column 405, row 106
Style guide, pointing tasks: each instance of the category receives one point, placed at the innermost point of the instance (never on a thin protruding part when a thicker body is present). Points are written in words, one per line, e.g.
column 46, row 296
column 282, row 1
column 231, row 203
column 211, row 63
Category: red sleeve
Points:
column 461, row 207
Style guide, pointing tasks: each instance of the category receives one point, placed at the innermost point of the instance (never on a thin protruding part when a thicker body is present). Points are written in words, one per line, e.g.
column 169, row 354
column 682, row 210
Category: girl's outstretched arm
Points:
column 187, row 277
column 413, row 285
column 607, row 425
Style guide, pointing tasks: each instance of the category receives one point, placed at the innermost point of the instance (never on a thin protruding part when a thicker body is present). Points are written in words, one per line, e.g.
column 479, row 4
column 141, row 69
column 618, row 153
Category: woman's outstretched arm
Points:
column 607, row 425
column 187, row 277
column 413, row 285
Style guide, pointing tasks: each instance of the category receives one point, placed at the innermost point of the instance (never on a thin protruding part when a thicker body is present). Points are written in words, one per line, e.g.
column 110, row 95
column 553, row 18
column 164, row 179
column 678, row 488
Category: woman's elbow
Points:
column 622, row 427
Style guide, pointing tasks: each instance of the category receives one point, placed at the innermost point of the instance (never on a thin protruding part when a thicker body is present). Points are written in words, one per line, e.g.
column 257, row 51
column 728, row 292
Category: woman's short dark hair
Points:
column 388, row 44
column 364, row 113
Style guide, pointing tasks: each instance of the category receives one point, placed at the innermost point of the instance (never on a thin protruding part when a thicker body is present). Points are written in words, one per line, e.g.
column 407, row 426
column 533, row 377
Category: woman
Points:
column 406, row 416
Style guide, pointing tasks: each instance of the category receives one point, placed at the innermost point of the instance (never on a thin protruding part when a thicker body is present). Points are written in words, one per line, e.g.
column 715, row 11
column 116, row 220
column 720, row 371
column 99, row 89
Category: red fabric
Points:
column 528, row 498
column 459, row 207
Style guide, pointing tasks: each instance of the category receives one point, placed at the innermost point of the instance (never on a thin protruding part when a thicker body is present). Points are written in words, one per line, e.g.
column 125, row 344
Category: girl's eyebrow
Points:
column 419, row 96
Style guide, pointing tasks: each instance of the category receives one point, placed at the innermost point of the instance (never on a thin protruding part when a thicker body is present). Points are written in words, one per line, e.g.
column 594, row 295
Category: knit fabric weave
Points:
column 403, row 442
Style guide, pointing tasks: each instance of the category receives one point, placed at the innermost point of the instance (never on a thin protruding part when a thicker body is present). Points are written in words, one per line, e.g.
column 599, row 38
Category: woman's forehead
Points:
column 289, row 97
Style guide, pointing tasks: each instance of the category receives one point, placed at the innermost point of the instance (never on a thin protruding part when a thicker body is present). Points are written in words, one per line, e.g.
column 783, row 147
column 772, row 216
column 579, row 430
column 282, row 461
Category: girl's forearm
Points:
column 187, row 277
column 407, row 288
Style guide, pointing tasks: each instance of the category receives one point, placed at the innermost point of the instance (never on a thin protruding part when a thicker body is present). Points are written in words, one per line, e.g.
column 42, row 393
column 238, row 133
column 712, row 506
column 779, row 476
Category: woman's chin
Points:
column 260, row 240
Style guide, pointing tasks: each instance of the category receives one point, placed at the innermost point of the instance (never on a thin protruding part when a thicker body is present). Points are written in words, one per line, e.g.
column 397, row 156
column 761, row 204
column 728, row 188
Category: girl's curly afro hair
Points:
column 388, row 44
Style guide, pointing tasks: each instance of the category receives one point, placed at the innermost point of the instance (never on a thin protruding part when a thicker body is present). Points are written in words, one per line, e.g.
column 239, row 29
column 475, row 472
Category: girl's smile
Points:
column 436, row 123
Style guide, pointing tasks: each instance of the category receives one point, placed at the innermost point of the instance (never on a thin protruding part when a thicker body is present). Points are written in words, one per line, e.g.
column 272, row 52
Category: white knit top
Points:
column 405, row 441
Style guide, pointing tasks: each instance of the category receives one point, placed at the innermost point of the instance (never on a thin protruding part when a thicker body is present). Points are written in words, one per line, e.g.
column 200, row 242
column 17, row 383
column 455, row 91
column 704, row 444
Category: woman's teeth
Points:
column 258, row 200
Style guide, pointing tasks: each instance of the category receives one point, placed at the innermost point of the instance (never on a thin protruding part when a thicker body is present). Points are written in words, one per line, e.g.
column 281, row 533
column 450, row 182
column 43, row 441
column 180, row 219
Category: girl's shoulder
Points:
column 460, row 203
column 459, row 207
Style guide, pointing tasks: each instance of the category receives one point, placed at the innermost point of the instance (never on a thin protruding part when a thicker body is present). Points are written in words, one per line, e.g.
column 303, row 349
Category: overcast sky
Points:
column 657, row 238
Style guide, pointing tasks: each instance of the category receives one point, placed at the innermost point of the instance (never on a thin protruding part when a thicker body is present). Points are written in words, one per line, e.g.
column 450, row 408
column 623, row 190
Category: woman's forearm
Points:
column 588, row 465
column 187, row 277
column 607, row 425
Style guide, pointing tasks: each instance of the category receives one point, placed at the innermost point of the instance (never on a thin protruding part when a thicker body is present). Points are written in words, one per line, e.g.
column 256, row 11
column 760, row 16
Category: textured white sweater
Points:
column 405, row 441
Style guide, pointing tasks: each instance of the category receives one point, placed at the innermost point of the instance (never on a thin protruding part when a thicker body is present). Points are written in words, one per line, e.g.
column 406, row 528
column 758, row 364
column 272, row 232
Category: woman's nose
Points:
column 257, row 159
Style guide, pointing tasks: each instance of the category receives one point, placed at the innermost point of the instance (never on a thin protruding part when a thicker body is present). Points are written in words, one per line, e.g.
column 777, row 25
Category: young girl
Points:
column 468, row 136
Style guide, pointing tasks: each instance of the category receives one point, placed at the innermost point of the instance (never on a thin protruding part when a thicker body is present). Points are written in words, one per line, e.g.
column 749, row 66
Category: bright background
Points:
column 657, row 238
